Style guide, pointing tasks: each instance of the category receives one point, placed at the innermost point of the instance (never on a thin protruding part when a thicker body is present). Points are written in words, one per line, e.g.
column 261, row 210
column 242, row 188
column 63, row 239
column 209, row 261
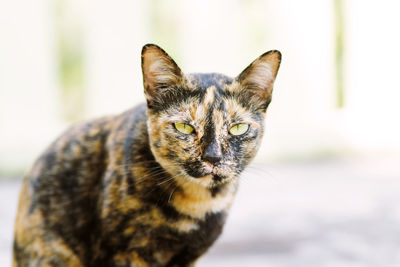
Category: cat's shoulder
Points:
column 100, row 128
column 91, row 137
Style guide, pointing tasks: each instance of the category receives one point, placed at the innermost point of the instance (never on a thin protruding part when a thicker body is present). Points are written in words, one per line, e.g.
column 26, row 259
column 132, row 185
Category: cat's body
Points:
column 95, row 196
column 137, row 189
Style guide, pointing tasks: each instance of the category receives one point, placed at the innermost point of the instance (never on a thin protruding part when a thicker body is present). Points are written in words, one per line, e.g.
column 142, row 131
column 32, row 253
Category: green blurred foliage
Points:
column 70, row 55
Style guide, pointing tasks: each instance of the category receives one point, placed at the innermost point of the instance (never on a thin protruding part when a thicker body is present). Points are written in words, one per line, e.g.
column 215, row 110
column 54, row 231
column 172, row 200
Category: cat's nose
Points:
column 212, row 153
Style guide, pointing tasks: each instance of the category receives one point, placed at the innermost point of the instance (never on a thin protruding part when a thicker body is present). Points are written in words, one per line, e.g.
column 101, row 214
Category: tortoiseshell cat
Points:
column 152, row 186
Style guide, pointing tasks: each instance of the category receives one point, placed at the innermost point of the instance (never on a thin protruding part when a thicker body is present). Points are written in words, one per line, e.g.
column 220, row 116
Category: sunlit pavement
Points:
column 339, row 213
column 8, row 206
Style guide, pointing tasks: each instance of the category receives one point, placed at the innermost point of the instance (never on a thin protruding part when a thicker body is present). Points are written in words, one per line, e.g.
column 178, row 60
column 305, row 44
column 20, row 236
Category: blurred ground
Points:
column 341, row 213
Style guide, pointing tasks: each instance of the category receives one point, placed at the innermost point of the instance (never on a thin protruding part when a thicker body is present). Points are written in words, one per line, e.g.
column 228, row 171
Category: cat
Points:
column 151, row 186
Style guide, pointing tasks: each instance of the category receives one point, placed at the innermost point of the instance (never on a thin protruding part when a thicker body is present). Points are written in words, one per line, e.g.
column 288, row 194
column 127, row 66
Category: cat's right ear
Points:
column 257, row 80
column 160, row 72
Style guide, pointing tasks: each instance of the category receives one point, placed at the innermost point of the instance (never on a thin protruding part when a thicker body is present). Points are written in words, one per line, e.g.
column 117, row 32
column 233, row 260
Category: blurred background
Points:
column 324, row 187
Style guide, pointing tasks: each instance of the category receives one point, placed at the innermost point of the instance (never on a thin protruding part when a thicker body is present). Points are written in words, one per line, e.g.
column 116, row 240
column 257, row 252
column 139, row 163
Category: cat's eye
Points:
column 239, row 129
column 183, row 127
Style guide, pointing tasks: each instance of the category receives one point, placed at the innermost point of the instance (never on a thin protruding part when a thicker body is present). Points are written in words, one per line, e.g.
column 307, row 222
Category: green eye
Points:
column 183, row 127
column 239, row 129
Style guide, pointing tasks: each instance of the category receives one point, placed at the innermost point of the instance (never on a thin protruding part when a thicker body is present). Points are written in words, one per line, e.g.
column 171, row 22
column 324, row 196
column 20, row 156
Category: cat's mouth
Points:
column 200, row 170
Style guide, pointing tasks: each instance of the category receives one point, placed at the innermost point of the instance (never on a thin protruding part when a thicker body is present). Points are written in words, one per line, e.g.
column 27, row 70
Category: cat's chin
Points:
column 209, row 180
column 204, row 180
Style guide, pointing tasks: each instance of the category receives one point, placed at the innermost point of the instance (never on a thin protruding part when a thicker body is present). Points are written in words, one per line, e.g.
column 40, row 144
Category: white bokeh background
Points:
column 206, row 36
column 308, row 137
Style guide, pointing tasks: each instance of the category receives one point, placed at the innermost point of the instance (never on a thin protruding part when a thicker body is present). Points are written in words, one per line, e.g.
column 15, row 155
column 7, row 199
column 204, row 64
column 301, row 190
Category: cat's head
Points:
column 206, row 127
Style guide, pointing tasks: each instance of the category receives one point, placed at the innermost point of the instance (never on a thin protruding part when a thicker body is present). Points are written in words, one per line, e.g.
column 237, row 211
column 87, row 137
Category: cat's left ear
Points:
column 160, row 72
column 258, row 78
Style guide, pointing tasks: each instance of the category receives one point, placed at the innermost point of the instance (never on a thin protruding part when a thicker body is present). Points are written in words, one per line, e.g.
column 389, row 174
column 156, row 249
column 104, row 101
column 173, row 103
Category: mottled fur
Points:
column 130, row 190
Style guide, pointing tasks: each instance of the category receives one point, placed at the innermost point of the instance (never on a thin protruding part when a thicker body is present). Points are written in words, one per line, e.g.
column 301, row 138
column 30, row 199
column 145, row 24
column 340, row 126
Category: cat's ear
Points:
column 160, row 72
column 258, row 78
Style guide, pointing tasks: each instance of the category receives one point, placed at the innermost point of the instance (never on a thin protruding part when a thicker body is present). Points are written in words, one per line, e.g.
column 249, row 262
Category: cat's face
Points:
column 206, row 127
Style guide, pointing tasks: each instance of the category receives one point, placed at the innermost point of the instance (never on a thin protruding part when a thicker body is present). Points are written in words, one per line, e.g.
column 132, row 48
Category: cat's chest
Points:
column 166, row 243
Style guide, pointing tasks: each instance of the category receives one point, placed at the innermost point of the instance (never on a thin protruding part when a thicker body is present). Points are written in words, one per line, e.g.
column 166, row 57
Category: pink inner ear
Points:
column 259, row 77
column 161, row 72
column 158, row 70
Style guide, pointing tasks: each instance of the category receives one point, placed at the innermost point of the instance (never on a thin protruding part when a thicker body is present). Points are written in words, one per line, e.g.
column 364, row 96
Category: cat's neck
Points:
column 196, row 200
